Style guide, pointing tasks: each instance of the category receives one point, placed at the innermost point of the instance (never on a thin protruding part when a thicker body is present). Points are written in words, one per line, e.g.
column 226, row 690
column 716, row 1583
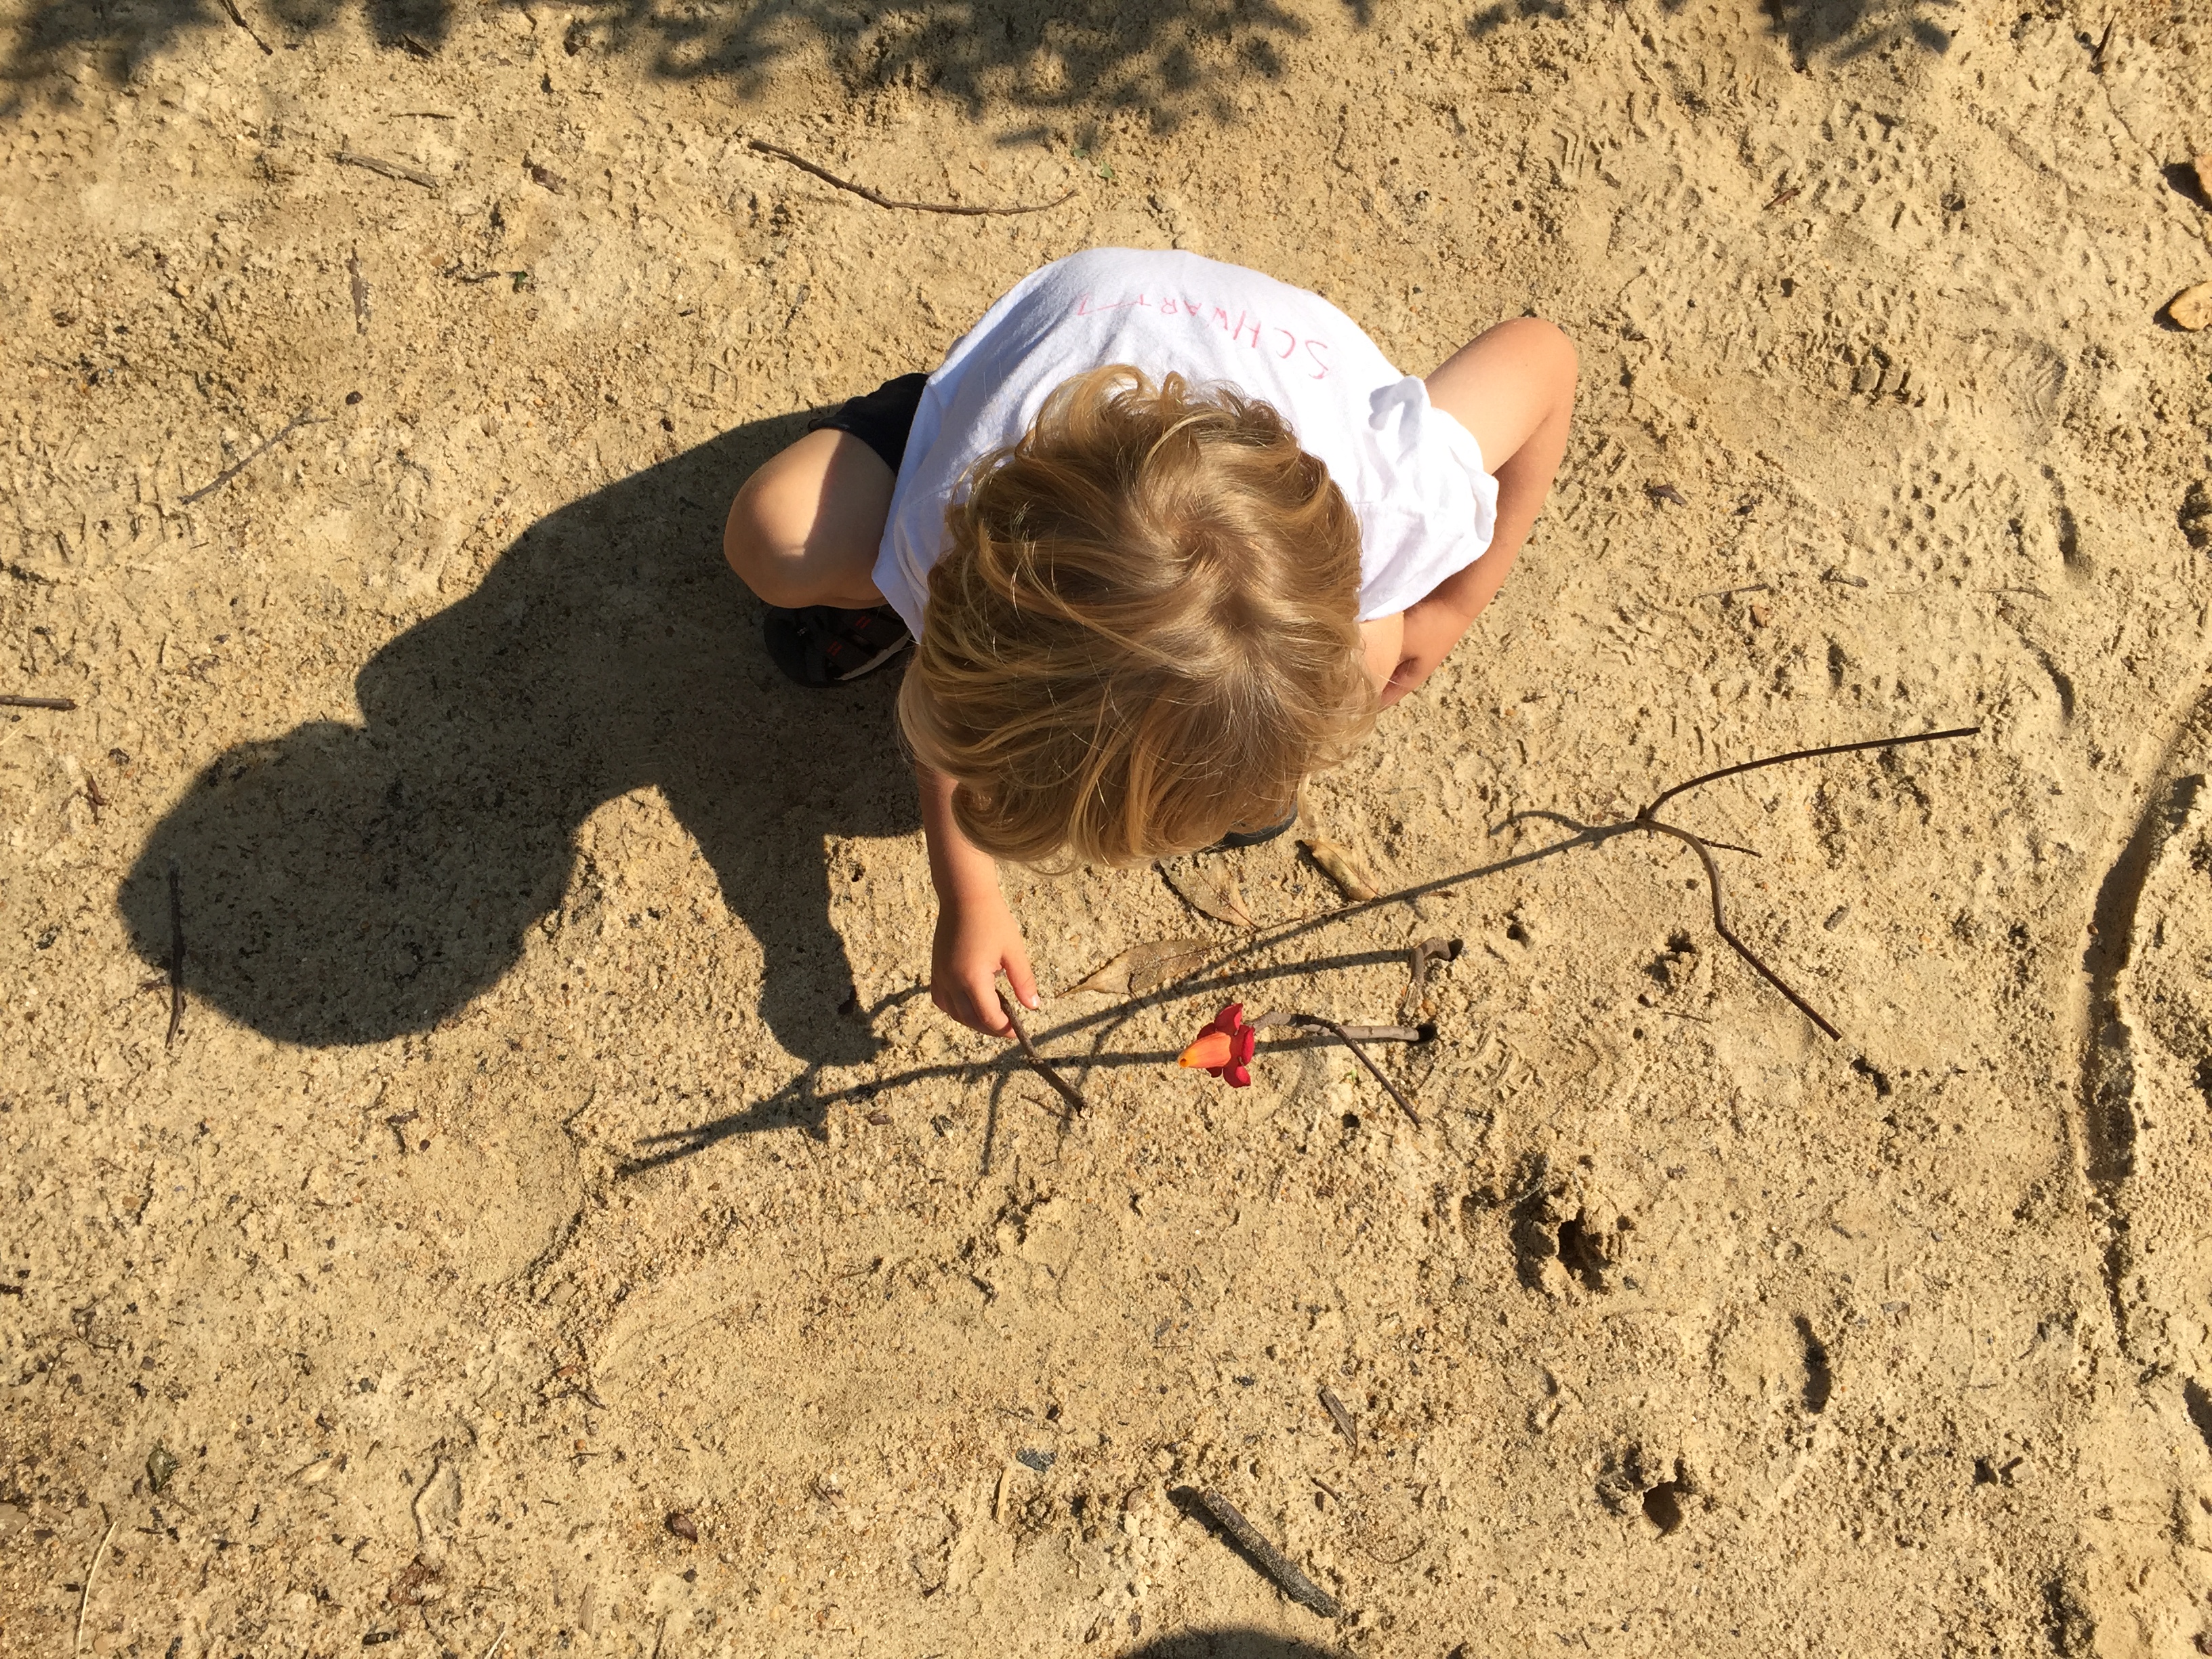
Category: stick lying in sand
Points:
column 1286, row 1573
column 404, row 173
column 1035, row 1059
column 301, row 419
column 11, row 701
column 1703, row 848
column 867, row 195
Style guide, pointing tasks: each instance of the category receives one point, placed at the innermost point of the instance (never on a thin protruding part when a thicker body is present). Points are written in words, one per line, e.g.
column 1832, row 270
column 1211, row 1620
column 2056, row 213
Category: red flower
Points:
column 1225, row 1047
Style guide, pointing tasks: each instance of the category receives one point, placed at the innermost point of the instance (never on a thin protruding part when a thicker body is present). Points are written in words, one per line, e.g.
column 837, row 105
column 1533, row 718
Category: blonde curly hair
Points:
column 1143, row 633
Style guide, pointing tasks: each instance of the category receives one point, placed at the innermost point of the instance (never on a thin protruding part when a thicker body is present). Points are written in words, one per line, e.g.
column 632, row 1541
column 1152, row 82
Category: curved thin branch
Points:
column 1666, row 795
column 1345, row 1037
column 867, row 195
column 1035, row 1059
column 1697, row 845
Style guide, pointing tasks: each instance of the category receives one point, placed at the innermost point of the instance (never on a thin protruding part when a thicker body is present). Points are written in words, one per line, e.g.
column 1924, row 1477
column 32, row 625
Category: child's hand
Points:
column 977, row 938
column 1432, row 627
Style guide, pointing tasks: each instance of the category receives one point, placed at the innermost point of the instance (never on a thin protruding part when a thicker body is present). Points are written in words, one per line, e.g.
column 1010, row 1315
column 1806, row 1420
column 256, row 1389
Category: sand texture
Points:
column 558, row 1136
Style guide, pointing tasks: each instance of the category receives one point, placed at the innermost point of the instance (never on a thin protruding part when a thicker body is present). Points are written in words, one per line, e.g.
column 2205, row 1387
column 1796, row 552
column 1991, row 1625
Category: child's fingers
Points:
column 1019, row 976
column 984, row 1013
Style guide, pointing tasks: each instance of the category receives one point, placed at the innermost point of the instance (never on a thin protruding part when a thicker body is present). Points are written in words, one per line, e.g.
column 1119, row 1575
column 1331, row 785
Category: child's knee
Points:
column 767, row 553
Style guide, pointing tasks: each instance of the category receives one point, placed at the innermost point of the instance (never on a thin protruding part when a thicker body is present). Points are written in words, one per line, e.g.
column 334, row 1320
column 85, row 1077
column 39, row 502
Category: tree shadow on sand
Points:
column 1810, row 28
column 1232, row 1644
column 1164, row 58
column 347, row 885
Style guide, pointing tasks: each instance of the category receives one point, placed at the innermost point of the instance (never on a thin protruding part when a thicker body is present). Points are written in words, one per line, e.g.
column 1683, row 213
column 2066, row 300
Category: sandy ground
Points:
column 558, row 1134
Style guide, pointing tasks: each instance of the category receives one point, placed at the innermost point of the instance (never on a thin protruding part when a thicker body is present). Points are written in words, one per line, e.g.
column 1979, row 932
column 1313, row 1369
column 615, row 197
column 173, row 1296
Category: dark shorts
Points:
column 880, row 419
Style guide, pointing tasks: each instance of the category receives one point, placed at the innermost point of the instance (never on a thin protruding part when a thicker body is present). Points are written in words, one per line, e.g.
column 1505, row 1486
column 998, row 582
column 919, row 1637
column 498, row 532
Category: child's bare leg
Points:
column 1514, row 388
column 804, row 528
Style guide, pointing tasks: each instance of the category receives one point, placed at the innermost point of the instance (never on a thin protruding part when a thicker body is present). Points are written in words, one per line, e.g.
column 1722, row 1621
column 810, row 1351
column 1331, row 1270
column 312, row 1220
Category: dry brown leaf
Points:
column 1343, row 866
column 2191, row 308
column 1210, row 894
column 1144, row 968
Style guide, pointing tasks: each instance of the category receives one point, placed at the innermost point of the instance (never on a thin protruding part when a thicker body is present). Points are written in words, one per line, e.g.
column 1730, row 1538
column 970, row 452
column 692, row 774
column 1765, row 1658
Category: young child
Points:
column 1168, row 534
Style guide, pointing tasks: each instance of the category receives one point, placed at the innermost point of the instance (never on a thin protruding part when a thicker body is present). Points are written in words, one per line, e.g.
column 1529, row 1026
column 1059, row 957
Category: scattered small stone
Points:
column 682, row 1525
column 161, row 1465
column 1040, row 1461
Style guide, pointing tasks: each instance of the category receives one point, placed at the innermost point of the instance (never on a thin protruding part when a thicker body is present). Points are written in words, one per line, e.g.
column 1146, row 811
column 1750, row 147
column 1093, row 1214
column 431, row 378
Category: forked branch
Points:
column 1702, row 848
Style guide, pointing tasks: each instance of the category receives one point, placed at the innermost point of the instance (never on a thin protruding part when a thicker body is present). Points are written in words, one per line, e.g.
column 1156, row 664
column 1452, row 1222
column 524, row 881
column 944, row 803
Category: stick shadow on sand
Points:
column 348, row 884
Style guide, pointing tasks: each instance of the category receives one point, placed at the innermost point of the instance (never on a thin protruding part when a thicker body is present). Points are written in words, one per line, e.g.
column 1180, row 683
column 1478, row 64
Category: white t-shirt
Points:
column 1411, row 474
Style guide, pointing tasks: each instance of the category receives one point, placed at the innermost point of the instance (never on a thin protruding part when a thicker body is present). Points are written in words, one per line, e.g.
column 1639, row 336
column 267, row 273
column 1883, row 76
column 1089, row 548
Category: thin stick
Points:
column 84, row 1596
column 1286, row 1573
column 1664, row 796
column 1343, row 1035
column 176, row 955
column 239, row 18
column 1035, row 1059
column 65, row 704
column 260, row 449
column 1342, row 1418
column 867, row 195
column 405, row 175
column 1721, row 927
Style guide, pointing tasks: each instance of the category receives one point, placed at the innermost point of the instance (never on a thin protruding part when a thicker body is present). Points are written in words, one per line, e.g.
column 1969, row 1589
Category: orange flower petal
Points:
column 1212, row 1049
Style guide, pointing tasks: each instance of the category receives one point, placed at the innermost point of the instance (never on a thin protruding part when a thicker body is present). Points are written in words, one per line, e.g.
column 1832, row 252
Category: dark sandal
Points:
column 1237, row 838
column 822, row 646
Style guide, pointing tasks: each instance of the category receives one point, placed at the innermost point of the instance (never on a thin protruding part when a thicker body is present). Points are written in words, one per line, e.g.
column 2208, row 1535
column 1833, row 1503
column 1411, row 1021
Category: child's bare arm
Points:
column 976, row 934
column 1514, row 389
column 804, row 528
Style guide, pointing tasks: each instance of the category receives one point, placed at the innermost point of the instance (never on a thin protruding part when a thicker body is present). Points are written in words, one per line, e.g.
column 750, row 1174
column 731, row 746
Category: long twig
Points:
column 303, row 418
column 867, row 195
column 11, row 701
column 84, row 1596
column 1666, row 795
column 1289, row 1577
column 1035, row 1059
column 1343, row 1035
column 1357, row 1033
column 176, row 955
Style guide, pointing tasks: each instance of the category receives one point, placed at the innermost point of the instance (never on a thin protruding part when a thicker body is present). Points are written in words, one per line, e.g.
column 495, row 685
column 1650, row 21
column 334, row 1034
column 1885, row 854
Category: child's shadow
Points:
column 349, row 884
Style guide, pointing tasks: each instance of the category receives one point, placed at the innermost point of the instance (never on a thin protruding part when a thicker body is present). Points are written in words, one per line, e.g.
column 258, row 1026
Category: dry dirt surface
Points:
column 562, row 1224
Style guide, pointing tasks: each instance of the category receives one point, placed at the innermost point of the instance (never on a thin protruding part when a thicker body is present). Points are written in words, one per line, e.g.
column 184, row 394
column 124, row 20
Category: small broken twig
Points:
column 404, row 173
column 1784, row 197
column 62, row 704
column 1342, row 1418
column 94, row 797
column 1289, row 1577
column 84, row 1596
column 176, row 955
column 867, row 195
column 357, row 281
column 1035, row 1059
column 253, row 34
column 1420, row 959
column 1344, row 1035
column 303, row 418
column 398, row 1123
